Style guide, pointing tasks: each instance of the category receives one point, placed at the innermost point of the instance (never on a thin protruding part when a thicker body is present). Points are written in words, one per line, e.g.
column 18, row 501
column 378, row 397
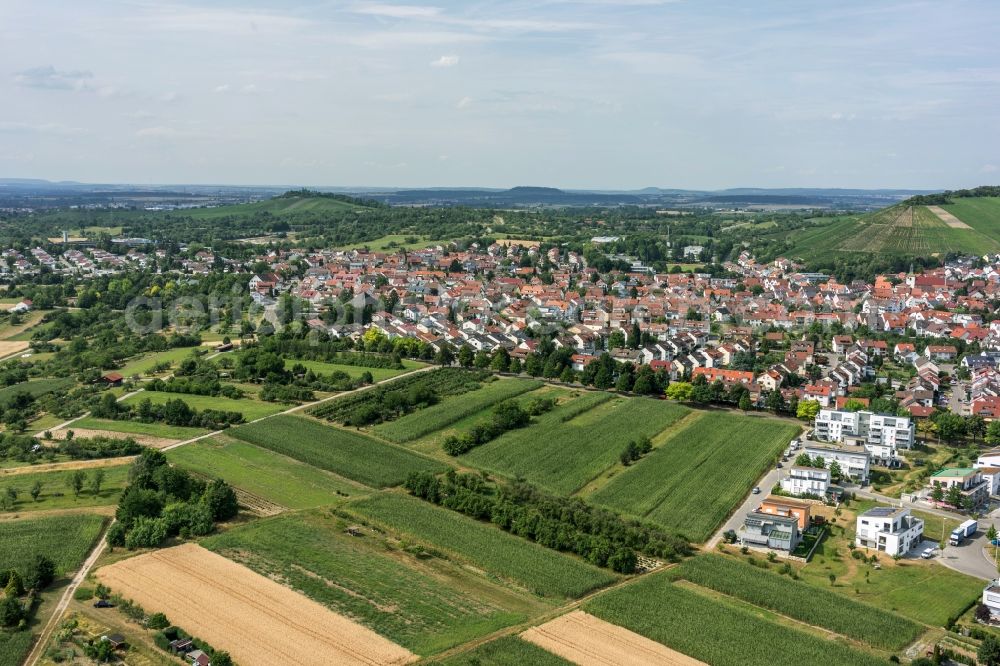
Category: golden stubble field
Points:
column 590, row 641
column 258, row 621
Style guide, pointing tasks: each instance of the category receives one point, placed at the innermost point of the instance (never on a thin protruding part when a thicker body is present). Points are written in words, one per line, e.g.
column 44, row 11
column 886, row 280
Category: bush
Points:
column 157, row 621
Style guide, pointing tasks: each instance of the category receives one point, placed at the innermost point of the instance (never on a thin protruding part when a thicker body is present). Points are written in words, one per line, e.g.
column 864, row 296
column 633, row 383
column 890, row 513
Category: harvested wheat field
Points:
column 589, row 641
column 69, row 465
column 146, row 440
column 254, row 618
column 948, row 218
column 8, row 347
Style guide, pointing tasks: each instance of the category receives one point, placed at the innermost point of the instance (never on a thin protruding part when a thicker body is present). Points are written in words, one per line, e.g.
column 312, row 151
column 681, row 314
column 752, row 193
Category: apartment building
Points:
column 888, row 529
column 881, row 434
column 806, row 481
column 854, row 461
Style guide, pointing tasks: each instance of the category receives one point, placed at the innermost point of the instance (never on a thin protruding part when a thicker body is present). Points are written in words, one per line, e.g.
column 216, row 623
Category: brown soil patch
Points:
column 10, row 347
column 69, row 465
column 948, row 218
column 590, row 641
column 146, row 440
column 254, row 618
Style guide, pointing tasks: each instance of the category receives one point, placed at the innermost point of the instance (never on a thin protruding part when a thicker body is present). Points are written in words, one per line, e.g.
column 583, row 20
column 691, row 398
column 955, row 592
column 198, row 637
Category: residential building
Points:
column 806, row 481
column 881, row 434
column 991, row 598
column 888, row 529
column 775, row 505
column 969, row 480
column 770, row 531
column 854, row 461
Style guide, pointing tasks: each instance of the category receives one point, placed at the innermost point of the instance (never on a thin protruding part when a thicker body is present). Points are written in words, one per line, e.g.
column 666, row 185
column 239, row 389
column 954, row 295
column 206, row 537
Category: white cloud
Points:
column 398, row 11
column 50, row 78
column 225, row 87
column 445, row 61
column 464, row 103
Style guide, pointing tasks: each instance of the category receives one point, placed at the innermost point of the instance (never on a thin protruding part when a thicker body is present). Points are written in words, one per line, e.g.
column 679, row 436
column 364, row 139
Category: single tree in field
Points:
column 36, row 490
column 76, row 480
column 833, row 579
column 96, row 481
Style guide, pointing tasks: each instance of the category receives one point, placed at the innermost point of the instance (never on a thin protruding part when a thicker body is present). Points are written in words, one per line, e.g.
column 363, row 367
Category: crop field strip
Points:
column 692, row 482
column 452, row 409
column 254, row 618
column 345, row 453
column 250, row 408
column 505, row 651
column 561, row 455
column 714, row 631
column 980, row 213
column 801, row 601
column 161, row 430
column 65, row 539
column 545, row 572
column 426, row 604
column 264, row 473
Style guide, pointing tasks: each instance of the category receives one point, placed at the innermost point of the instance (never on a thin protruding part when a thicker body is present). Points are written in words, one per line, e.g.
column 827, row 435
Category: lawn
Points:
column 138, row 428
column 453, row 408
column 378, row 374
column 263, row 473
column 505, row 651
column 56, row 492
column 250, row 408
column 694, row 480
column 35, row 387
column 799, row 600
column 64, row 539
column 139, row 365
column 541, row 570
column 564, row 455
column 715, row 631
column 342, row 452
column 426, row 604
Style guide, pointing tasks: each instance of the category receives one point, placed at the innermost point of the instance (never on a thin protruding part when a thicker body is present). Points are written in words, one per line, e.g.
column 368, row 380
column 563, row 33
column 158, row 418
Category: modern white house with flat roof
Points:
column 889, row 529
column 881, row 434
column 806, row 481
column 854, row 461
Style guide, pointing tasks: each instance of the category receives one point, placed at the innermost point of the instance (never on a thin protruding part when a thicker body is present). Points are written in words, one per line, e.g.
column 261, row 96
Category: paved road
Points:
column 752, row 502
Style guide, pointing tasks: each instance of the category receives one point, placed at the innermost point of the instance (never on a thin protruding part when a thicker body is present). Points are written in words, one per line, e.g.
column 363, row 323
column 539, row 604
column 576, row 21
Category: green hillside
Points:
column 286, row 205
column 973, row 227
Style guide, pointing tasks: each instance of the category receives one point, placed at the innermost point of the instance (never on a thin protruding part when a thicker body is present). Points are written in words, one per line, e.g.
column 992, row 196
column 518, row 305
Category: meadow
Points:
column 141, row 364
column 250, row 408
column 716, row 631
column 378, row 374
column 693, row 480
column 57, row 494
column 64, row 539
column 342, row 452
column 565, row 449
column 452, row 409
column 425, row 604
column 138, row 428
column 505, row 651
column 263, row 473
column 799, row 600
column 545, row 572
column 980, row 213
column 35, row 387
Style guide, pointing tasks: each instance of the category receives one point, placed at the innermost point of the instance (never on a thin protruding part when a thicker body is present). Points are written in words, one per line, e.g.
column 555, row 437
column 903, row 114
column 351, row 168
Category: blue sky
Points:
column 566, row 93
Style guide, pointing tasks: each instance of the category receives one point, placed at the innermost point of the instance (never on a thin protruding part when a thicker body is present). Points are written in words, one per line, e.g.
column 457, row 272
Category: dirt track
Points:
column 258, row 621
column 589, row 641
column 146, row 440
column 69, row 465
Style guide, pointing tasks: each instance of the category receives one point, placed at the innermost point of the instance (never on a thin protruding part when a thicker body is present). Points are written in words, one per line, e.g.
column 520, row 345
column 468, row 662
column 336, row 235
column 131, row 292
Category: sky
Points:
column 599, row 94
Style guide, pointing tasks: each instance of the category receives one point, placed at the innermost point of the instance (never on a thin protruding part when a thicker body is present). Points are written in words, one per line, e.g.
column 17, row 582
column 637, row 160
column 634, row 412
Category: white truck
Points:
column 963, row 532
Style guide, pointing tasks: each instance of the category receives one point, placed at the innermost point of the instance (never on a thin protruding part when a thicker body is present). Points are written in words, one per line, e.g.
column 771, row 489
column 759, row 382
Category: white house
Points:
column 880, row 434
column 806, row 481
column 853, row 461
column 991, row 598
column 889, row 529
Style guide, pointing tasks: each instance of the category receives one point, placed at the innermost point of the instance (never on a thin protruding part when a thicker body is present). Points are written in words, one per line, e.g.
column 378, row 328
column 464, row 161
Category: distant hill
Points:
column 967, row 225
column 285, row 205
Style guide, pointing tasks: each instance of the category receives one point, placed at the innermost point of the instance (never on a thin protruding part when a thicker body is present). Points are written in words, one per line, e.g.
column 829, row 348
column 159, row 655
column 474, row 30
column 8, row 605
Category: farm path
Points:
column 43, row 639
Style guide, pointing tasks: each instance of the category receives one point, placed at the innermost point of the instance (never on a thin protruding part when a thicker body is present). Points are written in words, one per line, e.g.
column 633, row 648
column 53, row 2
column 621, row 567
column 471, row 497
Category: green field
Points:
column 342, row 452
column 140, row 365
column 563, row 456
column 250, row 408
column 392, row 242
column 378, row 374
column 35, row 387
column 505, row 651
column 694, row 480
column 453, row 408
column 801, row 601
column 14, row 646
column 263, row 473
column 541, row 570
column 426, row 604
column 278, row 207
column 138, row 428
column 64, row 539
column 980, row 213
column 716, row 631
column 57, row 494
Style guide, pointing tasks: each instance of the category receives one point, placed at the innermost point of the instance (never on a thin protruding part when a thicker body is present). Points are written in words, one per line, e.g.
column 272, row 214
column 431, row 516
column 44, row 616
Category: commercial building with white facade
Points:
column 888, row 529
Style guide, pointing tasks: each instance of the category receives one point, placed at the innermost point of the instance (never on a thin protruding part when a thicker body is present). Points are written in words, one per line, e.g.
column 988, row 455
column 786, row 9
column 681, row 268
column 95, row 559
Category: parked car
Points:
column 756, row 490
column 995, row 542
column 103, row 603
column 779, row 465
column 927, row 554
